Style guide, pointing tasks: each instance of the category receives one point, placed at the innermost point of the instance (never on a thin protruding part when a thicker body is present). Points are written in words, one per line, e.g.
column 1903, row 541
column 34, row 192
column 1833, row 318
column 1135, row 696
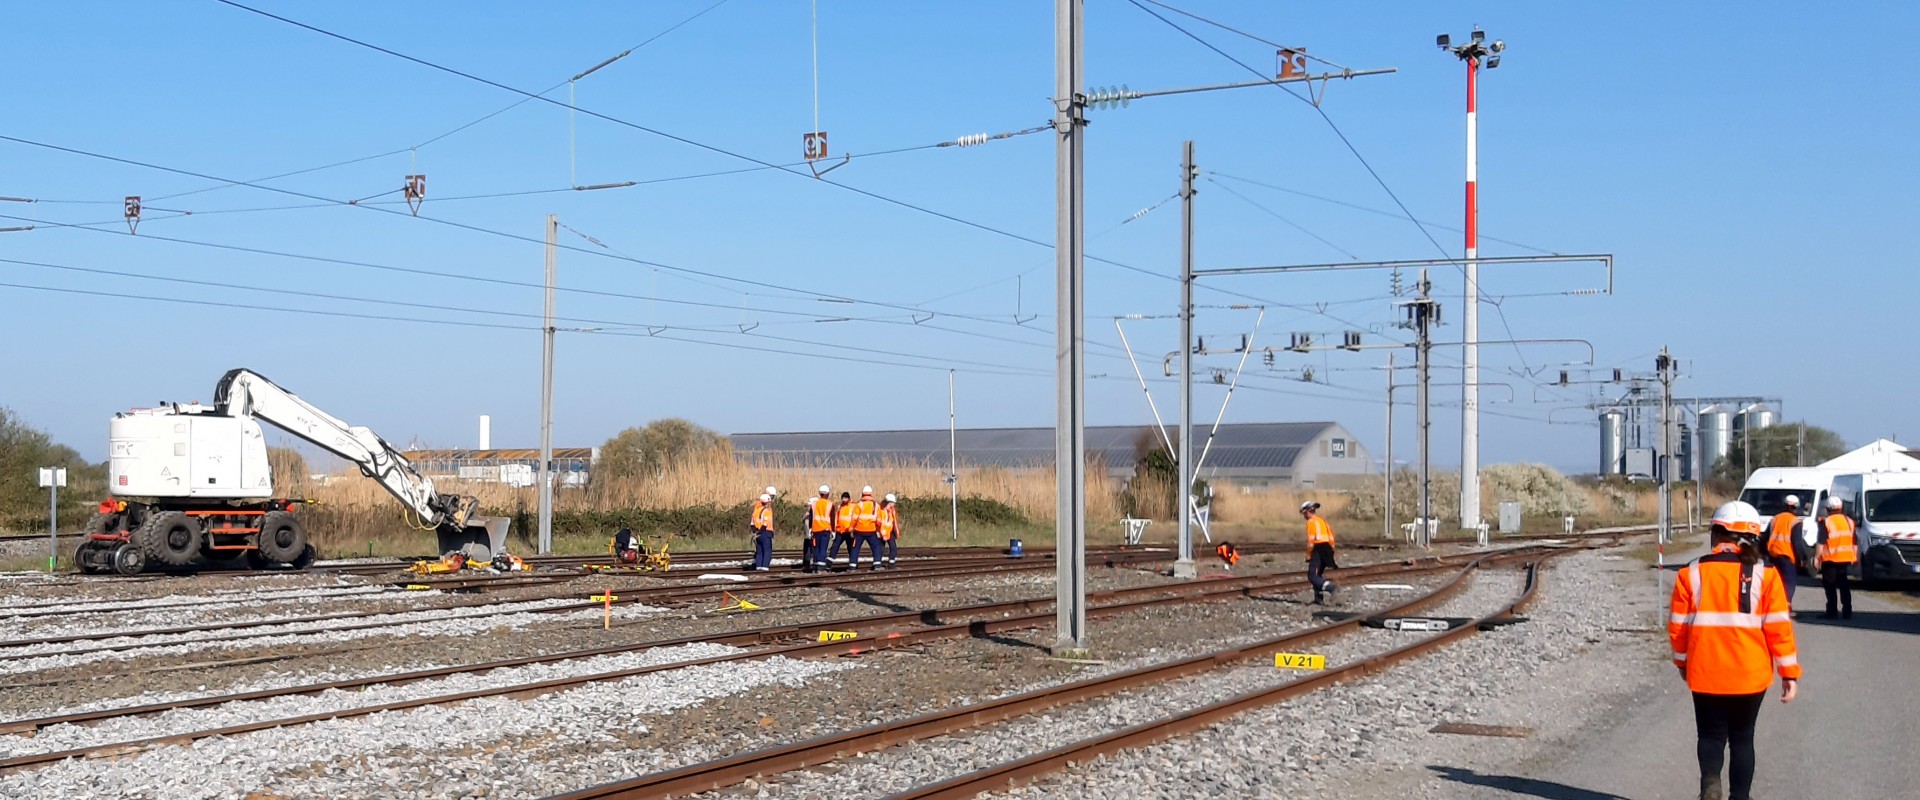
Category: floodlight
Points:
column 1443, row 40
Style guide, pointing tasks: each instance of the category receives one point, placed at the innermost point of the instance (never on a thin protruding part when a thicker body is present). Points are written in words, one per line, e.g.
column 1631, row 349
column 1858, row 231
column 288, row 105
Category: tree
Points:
column 23, row 451
column 650, row 450
column 1779, row 446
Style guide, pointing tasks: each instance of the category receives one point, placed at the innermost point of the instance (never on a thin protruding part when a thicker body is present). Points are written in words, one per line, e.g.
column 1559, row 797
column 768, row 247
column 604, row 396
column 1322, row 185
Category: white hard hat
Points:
column 765, row 497
column 824, row 489
column 1793, row 501
column 1309, row 505
column 1738, row 517
column 1833, row 502
column 770, row 490
column 866, row 490
column 890, row 498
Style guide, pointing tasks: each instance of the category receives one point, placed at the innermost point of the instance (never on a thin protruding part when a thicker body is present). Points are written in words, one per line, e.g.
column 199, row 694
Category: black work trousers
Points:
column 1726, row 721
column 1833, row 578
column 1319, row 560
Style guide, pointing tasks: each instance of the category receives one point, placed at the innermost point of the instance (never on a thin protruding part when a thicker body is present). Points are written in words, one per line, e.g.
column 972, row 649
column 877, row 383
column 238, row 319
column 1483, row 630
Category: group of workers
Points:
column 1731, row 627
column 831, row 525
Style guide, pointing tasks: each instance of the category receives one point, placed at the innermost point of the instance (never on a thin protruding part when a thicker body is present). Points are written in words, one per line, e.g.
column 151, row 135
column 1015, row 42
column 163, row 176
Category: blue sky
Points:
column 1751, row 166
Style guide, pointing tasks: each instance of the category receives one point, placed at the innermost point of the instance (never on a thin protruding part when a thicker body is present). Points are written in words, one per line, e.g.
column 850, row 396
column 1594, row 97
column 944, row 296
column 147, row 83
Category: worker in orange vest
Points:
column 813, row 548
column 1780, row 546
column 866, row 530
column 1730, row 633
column 1319, row 551
column 842, row 527
column 1837, row 554
column 762, row 526
column 1228, row 553
column 890, row 530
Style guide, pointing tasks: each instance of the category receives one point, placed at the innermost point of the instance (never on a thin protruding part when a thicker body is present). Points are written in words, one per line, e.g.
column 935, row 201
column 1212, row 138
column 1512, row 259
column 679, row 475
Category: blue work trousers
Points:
column 762, row 548
column 872, row 541
column 839, row 539
column 816, row 548
column 1789, row 575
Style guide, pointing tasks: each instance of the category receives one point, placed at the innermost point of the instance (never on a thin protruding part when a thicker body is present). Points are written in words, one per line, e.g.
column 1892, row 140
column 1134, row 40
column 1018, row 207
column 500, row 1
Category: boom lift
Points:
column 191, row 483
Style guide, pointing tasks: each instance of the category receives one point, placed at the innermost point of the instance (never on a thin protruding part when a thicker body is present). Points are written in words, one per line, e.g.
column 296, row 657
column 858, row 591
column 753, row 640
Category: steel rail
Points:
column 1179, row 593
column 1002, row 776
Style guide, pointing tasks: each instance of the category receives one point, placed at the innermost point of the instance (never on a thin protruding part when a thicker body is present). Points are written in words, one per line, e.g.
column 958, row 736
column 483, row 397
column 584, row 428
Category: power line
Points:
column 1277, row 215
column 1358, row 207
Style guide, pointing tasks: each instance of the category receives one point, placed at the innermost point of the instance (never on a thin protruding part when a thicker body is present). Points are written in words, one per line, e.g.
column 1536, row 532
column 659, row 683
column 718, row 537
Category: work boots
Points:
column 1710, row 788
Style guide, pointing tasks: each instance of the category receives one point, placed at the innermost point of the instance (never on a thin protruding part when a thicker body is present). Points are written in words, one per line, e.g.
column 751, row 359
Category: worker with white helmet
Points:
column 1837, row 554
column 1780, row 545
column 1730, row 634
column 890, row 530
column 813, row 548
column 1319, row 551
column 866, row 530
column 762, row 528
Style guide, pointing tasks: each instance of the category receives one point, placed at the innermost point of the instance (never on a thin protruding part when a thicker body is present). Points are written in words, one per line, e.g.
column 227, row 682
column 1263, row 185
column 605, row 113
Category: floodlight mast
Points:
column 1473, row 53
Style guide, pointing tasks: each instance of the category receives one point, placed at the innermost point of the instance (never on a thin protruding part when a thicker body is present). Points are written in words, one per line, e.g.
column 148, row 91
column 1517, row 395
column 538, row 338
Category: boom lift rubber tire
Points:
column 305, row 559
column 170, row 539
column 255, row 561
column 282, row 538
column 101, row 523
column 128, row 559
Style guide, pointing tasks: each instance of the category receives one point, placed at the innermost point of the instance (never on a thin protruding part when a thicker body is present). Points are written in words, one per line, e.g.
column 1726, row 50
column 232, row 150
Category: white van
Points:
column 1885, row 507
column 1767, row 489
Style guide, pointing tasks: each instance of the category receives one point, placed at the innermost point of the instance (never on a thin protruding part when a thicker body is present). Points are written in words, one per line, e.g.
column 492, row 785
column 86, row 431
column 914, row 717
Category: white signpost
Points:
column 51, row 479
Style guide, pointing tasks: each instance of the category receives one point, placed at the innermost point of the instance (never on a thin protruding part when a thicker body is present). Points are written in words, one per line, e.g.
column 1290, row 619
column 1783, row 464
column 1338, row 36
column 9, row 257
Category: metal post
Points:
column 1663, row 366
column 1070, row 452
column 1423, row 347
column 546, row 393
column 953, row 455
column 53, row 525
column 1183, row 566
column 1470, row 356
column 1386, row 513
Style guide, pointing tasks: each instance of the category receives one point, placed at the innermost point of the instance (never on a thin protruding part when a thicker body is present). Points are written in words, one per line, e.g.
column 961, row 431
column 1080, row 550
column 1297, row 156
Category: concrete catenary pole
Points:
column 1663, row 367
column 546, row 393
column 1183, row 566
column 1070, row 452
column 1386, row 510
column 953, row 459
column 1423, row 319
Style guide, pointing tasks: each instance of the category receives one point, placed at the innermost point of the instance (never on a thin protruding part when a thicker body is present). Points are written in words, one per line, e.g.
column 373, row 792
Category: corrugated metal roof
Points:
column 1272, row 445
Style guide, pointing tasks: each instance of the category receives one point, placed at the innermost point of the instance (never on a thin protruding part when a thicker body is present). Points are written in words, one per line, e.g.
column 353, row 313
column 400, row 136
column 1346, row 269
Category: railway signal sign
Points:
column 1299, row 661
column 131, row 210
column 837, row 636
column 814, row 145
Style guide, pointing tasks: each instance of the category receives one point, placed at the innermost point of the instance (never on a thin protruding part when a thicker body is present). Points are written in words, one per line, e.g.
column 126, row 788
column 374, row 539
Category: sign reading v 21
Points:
column 1299, row 661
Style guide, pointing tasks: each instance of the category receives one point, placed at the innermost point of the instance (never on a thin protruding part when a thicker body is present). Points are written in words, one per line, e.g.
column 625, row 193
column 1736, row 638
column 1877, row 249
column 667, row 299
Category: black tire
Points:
column 305, row 558
column 84, row 555
column 256, row 561
column 102, row 523
column 282, row 539
column 128, row 559
column 170, row 539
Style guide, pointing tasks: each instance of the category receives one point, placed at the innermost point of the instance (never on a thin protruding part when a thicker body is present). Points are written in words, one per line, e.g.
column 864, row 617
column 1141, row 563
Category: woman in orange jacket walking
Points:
column 1730, row 633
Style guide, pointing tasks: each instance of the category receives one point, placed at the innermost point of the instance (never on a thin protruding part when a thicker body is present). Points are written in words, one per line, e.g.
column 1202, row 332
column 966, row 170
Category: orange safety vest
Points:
column 866, row 517
column 1729, row 626
column 822, row 509
column 889, row 521
column 843, row 518
column 762, row 515
column 1319, row 532
column 1228, row 553
column 1780, row 542
column 1839, row 547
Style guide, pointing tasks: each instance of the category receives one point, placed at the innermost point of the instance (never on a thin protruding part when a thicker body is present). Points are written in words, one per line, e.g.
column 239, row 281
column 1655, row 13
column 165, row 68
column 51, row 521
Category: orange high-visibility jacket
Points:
column 820, row 515
column 1780, row 541
column 843, row 518
column 1729, row 628
column 1319, row 532
column 866, row 517
column 889, row 521
column 1228, row 553
column 1839, row 547
column 762, row 515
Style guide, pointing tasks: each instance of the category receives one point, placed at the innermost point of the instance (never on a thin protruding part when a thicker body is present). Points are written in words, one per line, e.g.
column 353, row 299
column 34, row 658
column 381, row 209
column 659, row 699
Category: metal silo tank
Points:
column 1613, row 442
column 1716, row 436
column 1757, row 416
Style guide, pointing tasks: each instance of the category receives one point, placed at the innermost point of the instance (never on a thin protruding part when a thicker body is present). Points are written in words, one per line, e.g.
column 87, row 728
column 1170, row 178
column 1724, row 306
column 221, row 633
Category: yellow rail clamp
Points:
column 837, row 636
column 418, row 587
column 601, row 598
column 1299, row 661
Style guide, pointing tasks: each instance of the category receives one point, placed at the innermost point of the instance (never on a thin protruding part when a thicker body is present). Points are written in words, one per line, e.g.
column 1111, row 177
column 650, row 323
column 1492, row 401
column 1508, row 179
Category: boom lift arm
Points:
column 243, row 392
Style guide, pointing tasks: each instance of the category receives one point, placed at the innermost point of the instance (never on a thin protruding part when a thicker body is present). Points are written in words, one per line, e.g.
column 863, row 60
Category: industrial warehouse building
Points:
column 1252, row 454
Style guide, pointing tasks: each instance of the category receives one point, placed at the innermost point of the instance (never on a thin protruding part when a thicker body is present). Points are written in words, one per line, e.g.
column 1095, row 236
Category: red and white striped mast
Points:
column 1473, row 52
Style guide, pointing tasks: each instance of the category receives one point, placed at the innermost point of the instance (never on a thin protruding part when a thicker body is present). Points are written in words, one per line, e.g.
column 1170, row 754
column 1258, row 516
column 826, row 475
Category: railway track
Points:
column 922, row 626
column 722, row 773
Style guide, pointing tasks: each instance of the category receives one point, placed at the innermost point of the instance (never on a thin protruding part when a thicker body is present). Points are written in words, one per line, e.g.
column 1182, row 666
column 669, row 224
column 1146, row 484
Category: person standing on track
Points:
column 890, row 531
column 1730, row 634
column 1837, row 555
column 762, row 526
column 1319, row 551
column 866, row 530
column 842, row 527
column 1780, row 546
column 813, row 548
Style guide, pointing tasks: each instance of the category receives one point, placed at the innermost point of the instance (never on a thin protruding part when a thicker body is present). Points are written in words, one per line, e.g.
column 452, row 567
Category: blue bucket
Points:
column 1013, row 548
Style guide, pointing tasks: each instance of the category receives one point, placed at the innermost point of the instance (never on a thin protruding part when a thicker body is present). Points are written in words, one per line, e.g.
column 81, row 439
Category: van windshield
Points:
column 1773, row 501
column 1893, row 505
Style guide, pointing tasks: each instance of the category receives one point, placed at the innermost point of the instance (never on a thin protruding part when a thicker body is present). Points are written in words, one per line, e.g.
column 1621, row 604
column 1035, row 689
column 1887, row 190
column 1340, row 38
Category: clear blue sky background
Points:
column 1751, row 164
